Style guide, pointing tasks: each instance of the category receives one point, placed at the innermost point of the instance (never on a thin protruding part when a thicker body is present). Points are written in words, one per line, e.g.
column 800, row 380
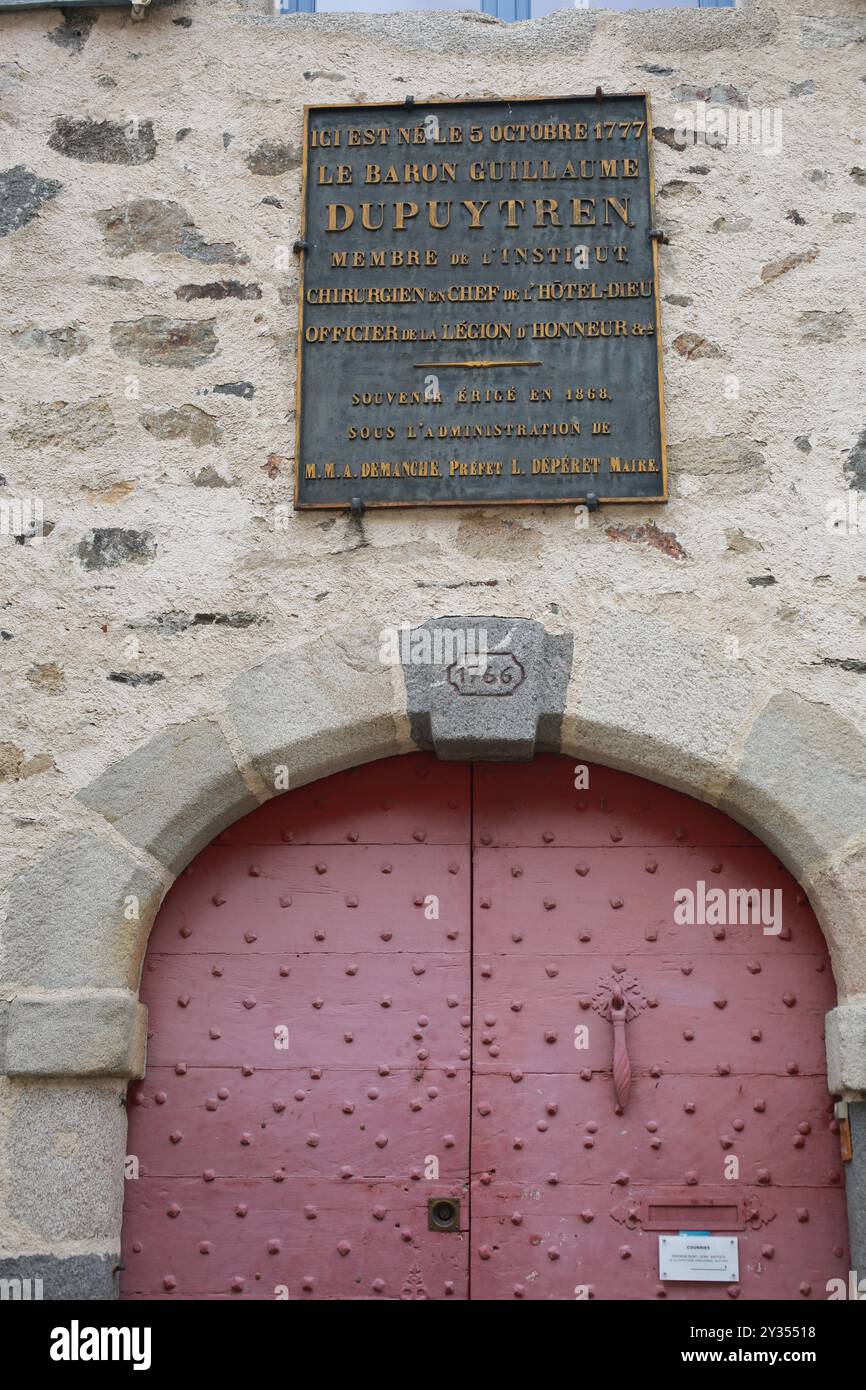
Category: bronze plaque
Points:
column 479, row 305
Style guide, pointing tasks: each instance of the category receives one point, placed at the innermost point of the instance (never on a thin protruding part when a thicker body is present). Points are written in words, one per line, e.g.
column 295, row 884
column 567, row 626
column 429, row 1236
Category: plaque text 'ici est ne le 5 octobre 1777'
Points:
column 479, row 305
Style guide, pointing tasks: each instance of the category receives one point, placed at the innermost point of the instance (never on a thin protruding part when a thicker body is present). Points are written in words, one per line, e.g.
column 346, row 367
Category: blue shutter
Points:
column 296, row 6
column 510, row 10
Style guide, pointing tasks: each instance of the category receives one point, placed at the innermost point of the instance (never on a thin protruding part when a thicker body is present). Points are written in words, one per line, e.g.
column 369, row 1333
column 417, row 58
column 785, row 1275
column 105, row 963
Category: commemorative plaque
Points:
column 479, row 305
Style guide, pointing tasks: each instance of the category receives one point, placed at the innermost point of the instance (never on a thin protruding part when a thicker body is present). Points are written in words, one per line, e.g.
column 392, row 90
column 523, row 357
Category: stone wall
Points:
column 178, row 628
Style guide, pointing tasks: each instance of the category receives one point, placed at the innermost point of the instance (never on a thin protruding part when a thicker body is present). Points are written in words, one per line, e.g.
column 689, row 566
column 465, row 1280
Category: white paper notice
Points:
column 699, row 1258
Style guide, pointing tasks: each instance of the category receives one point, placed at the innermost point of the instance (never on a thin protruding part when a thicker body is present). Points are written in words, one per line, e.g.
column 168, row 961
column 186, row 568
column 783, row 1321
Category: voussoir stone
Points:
column 174, row 794
column 801, row 781
column 326, row 706
column 99, row 1033
column 656, row 701
column 79, row 917
column 837, row 892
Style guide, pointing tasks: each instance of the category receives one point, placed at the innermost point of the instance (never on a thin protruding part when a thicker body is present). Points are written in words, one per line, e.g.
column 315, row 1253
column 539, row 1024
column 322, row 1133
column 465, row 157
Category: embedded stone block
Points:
column 95, row 1034
column 485, row 688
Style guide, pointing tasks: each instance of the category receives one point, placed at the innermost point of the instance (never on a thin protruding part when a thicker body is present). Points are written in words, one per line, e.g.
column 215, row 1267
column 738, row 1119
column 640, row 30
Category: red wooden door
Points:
column 308, row 982
column 573, row 897
column 313, row 1078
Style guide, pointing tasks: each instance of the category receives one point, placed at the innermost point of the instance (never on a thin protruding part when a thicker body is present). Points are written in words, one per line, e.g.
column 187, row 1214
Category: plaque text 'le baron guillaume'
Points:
column 479, row 305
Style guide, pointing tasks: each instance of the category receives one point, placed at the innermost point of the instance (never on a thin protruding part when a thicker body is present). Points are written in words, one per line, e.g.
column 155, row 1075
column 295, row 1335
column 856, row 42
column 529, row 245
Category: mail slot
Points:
column 709, row 1216
column 678, row 1210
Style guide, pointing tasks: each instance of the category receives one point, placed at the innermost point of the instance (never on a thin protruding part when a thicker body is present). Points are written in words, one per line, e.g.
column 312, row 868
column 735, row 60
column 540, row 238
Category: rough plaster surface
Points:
column 148, row 336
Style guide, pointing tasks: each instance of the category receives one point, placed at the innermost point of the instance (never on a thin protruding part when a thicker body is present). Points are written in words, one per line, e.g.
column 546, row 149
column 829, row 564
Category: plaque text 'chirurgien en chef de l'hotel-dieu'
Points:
column 479, row 305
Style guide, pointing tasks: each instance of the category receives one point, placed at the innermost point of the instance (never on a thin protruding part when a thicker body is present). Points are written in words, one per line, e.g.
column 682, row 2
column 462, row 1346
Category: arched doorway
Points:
column 382, row 1061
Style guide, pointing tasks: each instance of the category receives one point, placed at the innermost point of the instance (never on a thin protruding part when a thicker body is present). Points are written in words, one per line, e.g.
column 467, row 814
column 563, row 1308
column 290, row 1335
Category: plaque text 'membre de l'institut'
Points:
column 479, row 305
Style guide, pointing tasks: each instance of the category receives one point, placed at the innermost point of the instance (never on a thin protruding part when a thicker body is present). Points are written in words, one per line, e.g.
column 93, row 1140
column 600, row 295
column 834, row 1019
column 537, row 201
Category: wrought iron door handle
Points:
column 619, row 998
column 621, row 1063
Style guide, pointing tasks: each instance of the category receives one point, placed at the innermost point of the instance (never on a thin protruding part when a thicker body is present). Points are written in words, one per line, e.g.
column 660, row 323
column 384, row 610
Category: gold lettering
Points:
column 475, row 211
